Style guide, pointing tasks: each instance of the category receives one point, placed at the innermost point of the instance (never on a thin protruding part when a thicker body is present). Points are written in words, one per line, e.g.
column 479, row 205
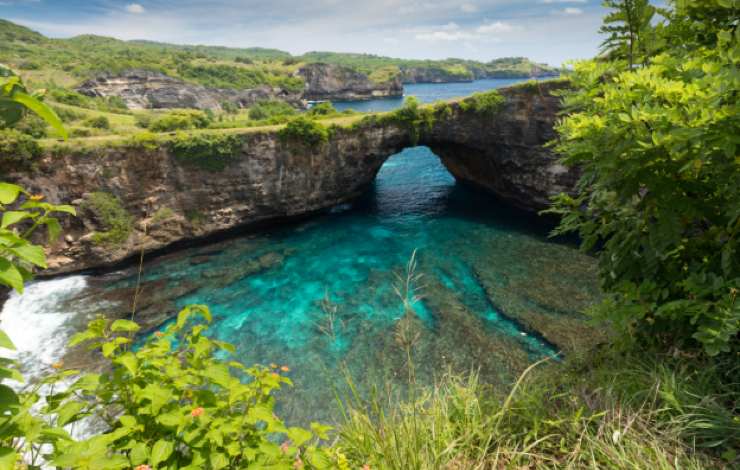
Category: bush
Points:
column 483, row 103
column 143, row 120
column 80, row 132
column 211, row 152
column 180, row 120
column 269, row 109
column 304, row 131
column 114, row 218
column 18, row 151
column 32, row 125
column 98, row 122
column 179, row 405
column 230, row 107
column 322, row 109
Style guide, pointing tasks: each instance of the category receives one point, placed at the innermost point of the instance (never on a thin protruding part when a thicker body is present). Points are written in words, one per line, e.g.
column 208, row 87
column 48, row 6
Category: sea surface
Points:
column 427, row 93
column 328, row 297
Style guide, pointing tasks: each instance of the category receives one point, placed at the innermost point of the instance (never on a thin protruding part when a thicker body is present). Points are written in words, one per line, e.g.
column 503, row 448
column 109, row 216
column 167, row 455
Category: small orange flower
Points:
column 143, row 467
column 58, row 365
column 158, row 334
column 37, row 197
column 275, row 374
column 197, row 412
column 285, row 369
column 284, row 447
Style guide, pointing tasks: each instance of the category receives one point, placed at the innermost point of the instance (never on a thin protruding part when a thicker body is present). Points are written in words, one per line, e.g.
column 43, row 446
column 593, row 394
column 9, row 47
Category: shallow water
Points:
column 319, row 296
column 427, row 93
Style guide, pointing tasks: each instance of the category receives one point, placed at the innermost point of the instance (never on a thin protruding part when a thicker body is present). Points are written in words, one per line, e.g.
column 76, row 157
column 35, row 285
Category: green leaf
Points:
column 161, row 452
column 127, row 326
column 9, row 193
column 53, row 227
column 219, row 461
column 13, row 217
column 8, row 399
column 129, row 361
column 43, row 111
column 10, row 275
column 298, row 436
column 8, row 459
column 33, row 254
column 139, row 454
column 68, row 412
column 5, row 341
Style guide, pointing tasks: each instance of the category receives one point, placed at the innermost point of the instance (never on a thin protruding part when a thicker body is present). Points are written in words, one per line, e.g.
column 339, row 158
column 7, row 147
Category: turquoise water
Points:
column 318, row 296
column 428, row 93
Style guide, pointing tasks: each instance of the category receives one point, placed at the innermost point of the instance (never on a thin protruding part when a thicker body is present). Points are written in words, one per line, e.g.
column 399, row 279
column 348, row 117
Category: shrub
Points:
column 322, row 109
column 230, row 107
column 69, row 97
column 114, row 218
column 483, row 103
column 80, row 132
column 415, row 118
column 211, row 152
column 180, row 120
column 659, row 195
column 304, row 131
column 98, row 122
column 17, row 151
column 143, row 120
column 269, row 109
column 32, row 125
column 163, row 214
column 178, row 405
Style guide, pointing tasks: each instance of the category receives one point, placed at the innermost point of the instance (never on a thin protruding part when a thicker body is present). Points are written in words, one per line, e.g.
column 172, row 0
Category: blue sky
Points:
column 550, row 31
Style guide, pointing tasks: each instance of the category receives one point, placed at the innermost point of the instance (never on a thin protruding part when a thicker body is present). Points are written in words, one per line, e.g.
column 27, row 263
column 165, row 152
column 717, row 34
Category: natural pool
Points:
column 493, row 288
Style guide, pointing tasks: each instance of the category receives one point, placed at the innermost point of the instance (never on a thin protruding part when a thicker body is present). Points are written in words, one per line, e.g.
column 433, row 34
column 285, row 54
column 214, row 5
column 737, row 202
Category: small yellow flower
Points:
column 275, row 374
column 37, row 197
column 273, row 366
column 58, row 365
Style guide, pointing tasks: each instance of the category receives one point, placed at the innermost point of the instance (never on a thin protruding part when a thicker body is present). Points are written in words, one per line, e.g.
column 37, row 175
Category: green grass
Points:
column 613, row 410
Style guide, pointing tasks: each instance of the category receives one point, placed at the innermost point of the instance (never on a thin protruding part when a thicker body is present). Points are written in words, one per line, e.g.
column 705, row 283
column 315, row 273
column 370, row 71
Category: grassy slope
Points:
column 47, row 62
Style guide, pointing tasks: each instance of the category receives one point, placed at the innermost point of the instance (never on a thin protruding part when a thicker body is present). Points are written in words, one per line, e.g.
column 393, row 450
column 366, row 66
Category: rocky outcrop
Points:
column 326, row 82
column 142, row 89
column 172, row 198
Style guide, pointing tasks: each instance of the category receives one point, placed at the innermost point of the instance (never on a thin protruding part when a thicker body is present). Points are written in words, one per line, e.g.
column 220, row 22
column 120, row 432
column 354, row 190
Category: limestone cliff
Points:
column 142, row 89
column 337, row 83
column 172, row 198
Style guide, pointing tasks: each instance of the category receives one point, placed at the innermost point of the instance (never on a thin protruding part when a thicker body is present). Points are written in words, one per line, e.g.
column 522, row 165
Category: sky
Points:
column 551, row 31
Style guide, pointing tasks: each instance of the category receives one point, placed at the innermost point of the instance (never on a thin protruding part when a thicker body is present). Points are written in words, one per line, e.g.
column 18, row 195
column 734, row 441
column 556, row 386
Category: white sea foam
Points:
column 37, row 324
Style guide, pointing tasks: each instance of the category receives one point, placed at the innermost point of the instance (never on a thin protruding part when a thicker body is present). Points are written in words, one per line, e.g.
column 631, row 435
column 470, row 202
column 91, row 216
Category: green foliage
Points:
column 229, row 76
column 269, row 109
column 178, row 120
column 163, row 214
column 16, row 102
column 98, row 122
column 211, row 151
column 322, row 109
column 18, row 152
column 414, row 117
column 114, row 218
column 178, row 405
column 629, row 28
column 660, row 194
column 487, row 103
column 304, row 131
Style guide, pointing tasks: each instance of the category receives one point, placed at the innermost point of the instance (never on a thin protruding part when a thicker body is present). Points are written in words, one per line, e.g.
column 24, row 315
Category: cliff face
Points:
column 333, row 82
column 172, row 200
column 141, row 89
column 432, row 75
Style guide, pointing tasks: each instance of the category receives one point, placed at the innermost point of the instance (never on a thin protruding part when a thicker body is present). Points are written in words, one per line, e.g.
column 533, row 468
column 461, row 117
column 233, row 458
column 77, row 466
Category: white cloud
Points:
column 572, row 11
column 135, row 8
column 562, row 1
column 495, row 28
column 469, row 7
